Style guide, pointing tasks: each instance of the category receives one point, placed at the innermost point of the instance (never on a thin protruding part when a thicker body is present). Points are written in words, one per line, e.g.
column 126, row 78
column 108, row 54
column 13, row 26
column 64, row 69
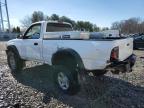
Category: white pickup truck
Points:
column 55, row 43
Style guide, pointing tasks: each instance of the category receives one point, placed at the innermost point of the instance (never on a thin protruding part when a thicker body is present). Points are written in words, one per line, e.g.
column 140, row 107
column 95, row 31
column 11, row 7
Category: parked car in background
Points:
column 139, row 42
column 134, row 35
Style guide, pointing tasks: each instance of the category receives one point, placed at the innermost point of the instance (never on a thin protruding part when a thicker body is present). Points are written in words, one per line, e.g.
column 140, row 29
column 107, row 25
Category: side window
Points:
column 58, row 27
column 33, row 32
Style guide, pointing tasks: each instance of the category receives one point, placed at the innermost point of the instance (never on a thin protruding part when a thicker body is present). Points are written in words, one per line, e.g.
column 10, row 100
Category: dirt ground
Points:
column 34, row 88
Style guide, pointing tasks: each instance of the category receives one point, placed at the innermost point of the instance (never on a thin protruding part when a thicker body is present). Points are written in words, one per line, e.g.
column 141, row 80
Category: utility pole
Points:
column 1, row 15
column 7, row 15
column 4, row 7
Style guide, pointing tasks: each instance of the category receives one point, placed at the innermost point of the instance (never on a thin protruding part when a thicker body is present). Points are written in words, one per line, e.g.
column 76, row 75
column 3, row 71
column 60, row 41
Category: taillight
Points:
column 114, row 54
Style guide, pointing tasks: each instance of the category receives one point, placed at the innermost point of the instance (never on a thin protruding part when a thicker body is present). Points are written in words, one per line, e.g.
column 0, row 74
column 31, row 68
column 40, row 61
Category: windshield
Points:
column 57, row 27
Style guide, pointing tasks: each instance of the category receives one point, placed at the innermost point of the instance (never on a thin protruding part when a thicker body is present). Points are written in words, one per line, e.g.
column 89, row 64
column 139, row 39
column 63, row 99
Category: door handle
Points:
column 35, row 44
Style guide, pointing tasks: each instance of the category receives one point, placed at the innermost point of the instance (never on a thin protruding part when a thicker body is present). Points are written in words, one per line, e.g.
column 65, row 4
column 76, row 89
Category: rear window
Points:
column 57, row 27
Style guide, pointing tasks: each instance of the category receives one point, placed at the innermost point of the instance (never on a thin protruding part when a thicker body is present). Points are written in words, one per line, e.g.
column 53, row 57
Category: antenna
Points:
column 3, row 20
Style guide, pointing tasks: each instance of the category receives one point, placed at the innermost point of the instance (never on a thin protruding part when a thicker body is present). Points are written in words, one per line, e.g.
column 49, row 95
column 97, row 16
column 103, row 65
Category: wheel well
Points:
column 60, row 56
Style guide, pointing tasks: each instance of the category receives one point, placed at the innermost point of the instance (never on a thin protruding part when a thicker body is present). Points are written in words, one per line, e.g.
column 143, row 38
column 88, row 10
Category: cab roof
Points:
column 52, row 22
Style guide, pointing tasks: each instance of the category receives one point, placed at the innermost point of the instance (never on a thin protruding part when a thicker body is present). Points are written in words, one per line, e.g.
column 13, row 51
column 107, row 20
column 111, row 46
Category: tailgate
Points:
column 125, row 48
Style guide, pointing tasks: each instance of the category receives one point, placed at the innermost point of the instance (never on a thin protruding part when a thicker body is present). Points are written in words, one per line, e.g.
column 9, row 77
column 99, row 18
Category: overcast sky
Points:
column 100, row 12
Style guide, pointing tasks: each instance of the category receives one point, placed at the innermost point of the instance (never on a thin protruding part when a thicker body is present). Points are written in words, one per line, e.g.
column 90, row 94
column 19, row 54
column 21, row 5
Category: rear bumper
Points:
column 122, row 66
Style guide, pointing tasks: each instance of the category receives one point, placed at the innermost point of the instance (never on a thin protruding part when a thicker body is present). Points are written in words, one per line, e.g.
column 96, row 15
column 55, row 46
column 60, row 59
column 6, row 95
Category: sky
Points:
column 100, row 12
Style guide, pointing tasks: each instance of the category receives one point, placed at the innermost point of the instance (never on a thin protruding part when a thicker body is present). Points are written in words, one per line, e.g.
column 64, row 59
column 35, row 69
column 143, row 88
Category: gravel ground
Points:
column 34, row 88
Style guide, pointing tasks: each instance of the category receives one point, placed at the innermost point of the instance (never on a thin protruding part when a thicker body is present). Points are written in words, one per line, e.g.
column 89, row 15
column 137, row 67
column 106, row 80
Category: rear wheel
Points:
column 15, row 63
column 66, row 80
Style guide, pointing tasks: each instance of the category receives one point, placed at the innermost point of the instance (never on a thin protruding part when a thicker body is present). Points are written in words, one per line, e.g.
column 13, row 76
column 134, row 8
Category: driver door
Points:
column 32, row 43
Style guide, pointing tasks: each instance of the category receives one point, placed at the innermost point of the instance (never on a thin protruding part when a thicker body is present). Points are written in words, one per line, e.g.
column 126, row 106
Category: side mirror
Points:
column 20, row 36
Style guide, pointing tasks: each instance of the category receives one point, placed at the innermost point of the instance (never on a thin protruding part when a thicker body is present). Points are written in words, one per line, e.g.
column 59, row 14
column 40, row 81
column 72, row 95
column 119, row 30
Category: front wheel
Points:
column 15, row 63
column 66, row 80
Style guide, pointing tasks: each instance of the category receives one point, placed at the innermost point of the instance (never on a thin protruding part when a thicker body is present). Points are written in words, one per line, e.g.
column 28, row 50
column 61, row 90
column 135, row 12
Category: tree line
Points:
column 77, row 25
column 16, row 29
column 129, row 26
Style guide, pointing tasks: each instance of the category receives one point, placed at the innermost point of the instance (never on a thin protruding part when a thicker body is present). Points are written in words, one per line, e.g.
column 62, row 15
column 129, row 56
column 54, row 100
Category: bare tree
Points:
column 130, row 26
column 115, row 26
column 26, row 22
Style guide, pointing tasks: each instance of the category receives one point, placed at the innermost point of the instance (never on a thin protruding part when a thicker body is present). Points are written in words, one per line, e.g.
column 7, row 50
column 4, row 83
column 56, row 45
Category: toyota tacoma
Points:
column 73, row 52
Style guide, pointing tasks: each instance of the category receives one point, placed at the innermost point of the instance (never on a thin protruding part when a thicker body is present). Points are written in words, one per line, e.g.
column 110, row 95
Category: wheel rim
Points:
column 63, row 81
column 12, row 61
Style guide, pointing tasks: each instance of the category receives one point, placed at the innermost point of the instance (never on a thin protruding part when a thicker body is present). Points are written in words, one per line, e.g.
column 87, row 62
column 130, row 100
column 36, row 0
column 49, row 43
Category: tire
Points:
column 135, row 48
column 15, row 63
column 66, row 80
column 99, row 73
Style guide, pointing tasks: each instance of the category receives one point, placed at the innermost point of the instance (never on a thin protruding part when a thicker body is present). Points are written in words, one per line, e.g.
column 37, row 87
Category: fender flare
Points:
column 13, row 48
column 71, row 52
